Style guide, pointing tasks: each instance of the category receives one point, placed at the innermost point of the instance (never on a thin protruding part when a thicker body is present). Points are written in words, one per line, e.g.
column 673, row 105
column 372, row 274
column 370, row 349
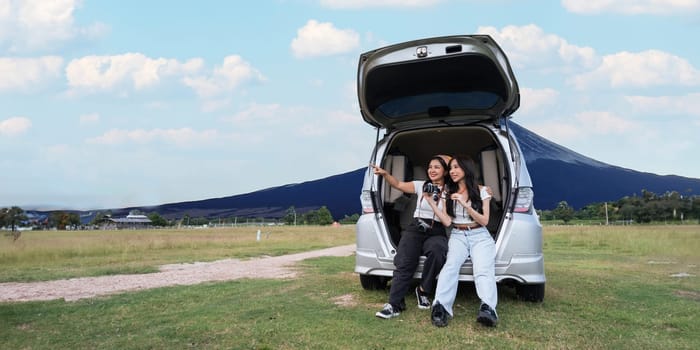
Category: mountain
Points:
column 558, row 174
column 339, row 193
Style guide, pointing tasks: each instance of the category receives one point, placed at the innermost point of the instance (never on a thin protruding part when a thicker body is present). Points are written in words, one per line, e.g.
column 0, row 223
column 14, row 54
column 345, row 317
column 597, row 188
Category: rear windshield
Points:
column 441, row 103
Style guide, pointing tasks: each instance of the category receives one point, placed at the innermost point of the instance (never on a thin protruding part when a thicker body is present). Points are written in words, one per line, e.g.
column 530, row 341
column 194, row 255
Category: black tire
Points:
column 530, row 292
column 373, row 282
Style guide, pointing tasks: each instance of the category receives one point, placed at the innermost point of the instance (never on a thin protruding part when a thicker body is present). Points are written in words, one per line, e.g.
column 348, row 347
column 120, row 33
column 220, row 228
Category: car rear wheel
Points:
column 530, row 292
column 373, row 282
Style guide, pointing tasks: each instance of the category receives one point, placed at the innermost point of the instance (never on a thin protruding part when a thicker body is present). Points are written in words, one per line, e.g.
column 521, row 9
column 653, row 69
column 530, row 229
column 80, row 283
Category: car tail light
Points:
column 523, row 201
column 366, row 201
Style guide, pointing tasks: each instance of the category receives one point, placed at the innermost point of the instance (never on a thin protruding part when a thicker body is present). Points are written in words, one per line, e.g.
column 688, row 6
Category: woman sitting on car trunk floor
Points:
column 424, row 236
column 467, row 212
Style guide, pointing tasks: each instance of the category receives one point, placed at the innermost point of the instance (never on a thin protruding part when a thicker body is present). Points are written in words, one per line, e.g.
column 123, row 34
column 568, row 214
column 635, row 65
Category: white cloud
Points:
column 584, row 126
column 5, row 10
column 557, row 131
column 120, row 73
column 94, row 73
column 91, row 118
column 275, row 121
column 181, row 137
column 603, row 123
column 258, row 112
column 323, row 39
column 536, row 100
column 29, row 25
column 687, row 105
column 357, row 4
column 26, row 73
column 529, row 46
column 633, row 7
column 15, row 126
column 331, row 125
column 225, row 78
column 644, row 69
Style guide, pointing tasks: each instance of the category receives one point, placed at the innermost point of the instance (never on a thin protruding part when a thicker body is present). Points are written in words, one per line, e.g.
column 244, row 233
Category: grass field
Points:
column 607, row 288
column 44, row 255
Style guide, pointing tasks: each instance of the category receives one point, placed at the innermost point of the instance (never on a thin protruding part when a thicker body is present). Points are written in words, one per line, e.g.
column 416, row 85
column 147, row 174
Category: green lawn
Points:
column 607, row 288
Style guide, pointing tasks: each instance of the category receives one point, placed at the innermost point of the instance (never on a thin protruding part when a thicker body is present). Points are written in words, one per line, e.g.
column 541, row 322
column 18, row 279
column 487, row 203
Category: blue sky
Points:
column 107, row 104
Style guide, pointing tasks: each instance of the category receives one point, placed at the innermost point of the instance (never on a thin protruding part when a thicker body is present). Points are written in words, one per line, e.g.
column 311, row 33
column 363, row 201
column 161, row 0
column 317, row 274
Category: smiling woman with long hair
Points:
column 467, row 212
column 426, row 235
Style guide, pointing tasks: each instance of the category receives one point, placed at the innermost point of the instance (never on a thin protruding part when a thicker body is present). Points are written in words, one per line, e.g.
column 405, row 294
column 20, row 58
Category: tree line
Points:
column 321, row 216
column 648, row 207
column 669, row 207
column 15, row 217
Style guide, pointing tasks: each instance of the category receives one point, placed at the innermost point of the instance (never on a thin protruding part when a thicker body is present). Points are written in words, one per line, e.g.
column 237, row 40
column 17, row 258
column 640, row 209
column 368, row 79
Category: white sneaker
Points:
column 423, row 300
column 387, row 312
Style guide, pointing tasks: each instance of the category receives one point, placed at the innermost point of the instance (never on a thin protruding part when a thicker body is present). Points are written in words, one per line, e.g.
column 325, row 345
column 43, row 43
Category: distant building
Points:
column 132, row 221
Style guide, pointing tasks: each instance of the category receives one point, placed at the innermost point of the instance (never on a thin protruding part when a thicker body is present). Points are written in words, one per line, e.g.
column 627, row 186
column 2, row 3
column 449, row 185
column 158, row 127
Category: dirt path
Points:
column 169, row 275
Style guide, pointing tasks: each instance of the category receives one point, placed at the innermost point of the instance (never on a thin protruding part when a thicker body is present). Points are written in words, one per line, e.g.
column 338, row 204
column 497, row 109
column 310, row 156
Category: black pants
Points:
column 413, row 244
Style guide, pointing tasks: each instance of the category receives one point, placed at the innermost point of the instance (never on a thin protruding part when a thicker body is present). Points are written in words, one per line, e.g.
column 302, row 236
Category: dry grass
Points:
column 42, row 255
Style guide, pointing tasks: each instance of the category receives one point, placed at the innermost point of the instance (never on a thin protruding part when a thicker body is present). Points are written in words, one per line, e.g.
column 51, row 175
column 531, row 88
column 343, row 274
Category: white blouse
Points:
column 423, row 209
column 461, row 216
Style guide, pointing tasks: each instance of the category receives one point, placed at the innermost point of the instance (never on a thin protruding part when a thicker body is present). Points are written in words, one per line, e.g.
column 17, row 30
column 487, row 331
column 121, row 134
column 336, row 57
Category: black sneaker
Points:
column 439, row 315
column 487, row 316
column 387, row 312
column 423, row 301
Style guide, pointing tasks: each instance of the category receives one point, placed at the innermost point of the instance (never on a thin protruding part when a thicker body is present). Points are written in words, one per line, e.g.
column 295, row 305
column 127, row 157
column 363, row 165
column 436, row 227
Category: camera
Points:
column 430, row 187
column 422, row 225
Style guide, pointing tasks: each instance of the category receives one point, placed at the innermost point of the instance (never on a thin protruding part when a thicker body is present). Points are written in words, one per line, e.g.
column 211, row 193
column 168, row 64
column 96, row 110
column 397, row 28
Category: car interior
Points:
column 409, row 153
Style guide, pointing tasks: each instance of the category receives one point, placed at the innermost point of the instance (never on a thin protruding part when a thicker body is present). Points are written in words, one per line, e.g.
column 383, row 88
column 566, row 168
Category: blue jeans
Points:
column 478, row 244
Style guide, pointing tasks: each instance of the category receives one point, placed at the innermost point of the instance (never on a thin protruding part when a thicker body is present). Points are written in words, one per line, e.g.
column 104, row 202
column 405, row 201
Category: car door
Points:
column 438, row 80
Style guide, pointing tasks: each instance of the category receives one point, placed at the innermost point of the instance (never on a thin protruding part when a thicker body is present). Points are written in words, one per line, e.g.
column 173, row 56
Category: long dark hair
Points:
column 469, row 167
column 446, row 174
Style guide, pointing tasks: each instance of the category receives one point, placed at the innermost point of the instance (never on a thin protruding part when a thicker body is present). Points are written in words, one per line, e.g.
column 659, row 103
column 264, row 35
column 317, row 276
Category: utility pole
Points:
column 606, row 214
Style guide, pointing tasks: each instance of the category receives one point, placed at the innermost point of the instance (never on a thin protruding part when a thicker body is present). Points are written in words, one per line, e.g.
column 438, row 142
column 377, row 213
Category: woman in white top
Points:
column 424, row 236
column 467, row 212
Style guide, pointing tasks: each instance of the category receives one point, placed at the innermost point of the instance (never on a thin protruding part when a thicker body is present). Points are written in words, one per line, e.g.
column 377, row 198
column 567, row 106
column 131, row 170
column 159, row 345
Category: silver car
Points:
column 446, row 95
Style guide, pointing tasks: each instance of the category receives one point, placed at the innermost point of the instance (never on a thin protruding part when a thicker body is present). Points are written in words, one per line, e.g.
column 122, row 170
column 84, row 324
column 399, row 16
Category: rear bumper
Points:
column 374, row 256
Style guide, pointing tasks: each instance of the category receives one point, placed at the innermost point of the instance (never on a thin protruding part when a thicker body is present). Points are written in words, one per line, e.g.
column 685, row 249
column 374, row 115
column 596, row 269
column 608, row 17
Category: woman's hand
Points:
column 405, row 187
column 441, row 213
column 461, row 198
column 378, row 170
column 428, row 197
